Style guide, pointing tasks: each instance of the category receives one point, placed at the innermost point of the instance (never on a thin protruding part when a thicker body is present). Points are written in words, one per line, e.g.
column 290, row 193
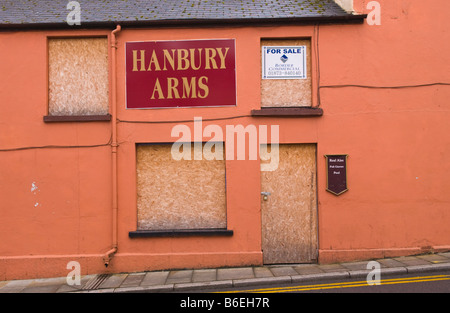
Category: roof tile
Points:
column 25, row 12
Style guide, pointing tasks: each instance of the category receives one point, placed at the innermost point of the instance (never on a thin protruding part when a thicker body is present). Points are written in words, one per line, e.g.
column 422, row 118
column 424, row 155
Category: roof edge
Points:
column 333, row 19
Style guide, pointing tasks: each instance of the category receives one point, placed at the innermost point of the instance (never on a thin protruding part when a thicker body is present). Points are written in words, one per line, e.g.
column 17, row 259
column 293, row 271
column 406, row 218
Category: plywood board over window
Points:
column 178, row 194
column 288, row 92
column 78, row 76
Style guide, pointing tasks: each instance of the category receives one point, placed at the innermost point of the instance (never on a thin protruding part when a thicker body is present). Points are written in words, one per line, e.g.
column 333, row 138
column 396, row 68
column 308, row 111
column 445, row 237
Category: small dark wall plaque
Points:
column 336, row 173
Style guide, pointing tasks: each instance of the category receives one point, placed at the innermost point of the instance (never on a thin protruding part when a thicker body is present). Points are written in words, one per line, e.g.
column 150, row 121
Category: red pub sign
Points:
column 188, row 73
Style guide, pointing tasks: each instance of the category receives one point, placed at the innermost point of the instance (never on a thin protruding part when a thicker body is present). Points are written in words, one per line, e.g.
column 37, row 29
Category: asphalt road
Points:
column 436, row 282
column 302, row 297
column 395, row 290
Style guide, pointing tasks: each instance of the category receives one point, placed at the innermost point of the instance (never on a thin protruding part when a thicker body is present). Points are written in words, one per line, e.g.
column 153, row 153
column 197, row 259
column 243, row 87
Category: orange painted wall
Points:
column 55, row 203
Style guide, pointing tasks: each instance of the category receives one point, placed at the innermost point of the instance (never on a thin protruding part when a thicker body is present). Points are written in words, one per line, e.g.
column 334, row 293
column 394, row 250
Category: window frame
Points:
column 47, row 118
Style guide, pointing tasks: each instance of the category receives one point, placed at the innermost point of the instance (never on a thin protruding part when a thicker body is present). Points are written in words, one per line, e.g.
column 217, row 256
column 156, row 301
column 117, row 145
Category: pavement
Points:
column 192, row 280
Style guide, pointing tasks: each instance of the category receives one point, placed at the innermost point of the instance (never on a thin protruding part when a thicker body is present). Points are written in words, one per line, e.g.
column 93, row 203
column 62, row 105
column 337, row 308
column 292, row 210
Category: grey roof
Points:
column 46, row 12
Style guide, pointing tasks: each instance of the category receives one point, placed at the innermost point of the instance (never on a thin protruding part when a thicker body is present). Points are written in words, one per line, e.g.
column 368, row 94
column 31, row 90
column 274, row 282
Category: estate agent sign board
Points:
column 284, row 62
column 336, row 173
column 188, row 73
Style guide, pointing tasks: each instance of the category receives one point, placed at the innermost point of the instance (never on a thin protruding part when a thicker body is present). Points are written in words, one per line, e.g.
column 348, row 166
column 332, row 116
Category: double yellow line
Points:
column 348, row 284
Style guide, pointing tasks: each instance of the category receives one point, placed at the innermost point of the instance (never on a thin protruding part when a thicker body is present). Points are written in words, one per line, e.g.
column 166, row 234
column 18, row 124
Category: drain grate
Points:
column 95, row 282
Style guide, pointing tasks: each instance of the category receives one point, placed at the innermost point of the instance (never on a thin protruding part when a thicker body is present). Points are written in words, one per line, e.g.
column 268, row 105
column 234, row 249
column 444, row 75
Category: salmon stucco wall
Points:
column 384, row 90
column 396, row 138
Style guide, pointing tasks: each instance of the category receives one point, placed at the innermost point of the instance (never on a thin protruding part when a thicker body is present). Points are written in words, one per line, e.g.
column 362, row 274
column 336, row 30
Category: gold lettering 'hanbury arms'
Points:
column 188, row 88
column 180, row 59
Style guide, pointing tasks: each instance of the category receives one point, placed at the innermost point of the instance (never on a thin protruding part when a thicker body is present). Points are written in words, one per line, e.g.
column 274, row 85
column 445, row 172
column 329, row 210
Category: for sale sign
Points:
column 284, row 62
column 188, row 73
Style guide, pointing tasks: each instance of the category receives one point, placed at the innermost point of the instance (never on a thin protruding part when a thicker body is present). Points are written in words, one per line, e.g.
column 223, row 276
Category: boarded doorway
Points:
column 289, row 212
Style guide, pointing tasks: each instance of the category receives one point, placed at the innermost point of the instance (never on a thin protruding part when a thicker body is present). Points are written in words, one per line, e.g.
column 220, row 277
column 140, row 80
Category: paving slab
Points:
column 384, row 271
column 333, row 268
column 49, row 281
column 433, row 258
column 155, row 278
column 445, row 254
column 261, row 272
column 15, row 286
column 411, row 261
column 176, row 277
column 113, row 281
column 283, row 271
column 235, row 273
column 306, row 269
column 108, row 290
column 12, row 290
column 18, row 283
column 261, row 281
column 153, row 288
column 203, row 285
column 390, row 263
column 356, row 266
column 204, row 275
column 41, row 289
column 66, row 288
column 133, row 280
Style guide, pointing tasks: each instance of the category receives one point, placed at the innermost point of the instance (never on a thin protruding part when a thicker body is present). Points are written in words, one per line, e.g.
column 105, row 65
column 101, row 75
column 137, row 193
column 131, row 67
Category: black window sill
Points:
column 288, row 112
column 77, row 118
column 180, row 233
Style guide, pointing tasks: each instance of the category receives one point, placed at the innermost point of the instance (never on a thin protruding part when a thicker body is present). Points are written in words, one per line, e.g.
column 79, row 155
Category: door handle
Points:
column 265, row 195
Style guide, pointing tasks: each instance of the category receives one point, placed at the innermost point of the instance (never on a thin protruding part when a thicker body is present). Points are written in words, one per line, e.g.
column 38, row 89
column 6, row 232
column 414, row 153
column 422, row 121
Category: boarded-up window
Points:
column 78, row 76
column 179, row 194
column 288, row 92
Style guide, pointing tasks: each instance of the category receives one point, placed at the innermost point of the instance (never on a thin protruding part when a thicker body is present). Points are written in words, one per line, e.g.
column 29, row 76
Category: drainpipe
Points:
column 108, row 255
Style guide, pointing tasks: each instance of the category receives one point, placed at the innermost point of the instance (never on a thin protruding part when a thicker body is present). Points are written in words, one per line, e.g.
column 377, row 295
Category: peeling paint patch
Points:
column 34, row 187
column 34, row 190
